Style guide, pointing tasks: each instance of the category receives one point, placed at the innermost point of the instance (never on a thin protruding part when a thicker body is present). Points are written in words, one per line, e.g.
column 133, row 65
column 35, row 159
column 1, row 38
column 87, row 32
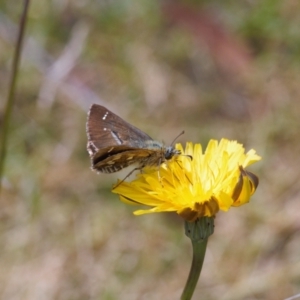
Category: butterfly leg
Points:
column 185, row 173
column 135, row 169
column 158, row 172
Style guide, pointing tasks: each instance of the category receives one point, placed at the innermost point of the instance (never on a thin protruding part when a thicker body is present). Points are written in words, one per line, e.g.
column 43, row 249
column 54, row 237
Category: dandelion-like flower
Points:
column 195, row 184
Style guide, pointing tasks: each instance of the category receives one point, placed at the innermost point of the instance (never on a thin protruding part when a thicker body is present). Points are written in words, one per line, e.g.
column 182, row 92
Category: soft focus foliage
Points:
column 220, row 69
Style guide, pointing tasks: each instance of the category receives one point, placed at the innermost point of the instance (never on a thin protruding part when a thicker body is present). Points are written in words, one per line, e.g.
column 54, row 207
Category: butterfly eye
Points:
column 170, row 152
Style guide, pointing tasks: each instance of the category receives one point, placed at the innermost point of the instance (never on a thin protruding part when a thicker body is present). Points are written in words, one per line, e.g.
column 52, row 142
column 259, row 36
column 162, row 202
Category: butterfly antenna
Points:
column 181, row 133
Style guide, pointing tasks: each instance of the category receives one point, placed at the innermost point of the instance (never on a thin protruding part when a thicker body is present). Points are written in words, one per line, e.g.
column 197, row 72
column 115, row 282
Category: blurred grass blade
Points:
column 12, row 87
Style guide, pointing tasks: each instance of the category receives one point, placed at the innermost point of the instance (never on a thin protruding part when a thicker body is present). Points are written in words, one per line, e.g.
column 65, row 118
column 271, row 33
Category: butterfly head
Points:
column 170, row 152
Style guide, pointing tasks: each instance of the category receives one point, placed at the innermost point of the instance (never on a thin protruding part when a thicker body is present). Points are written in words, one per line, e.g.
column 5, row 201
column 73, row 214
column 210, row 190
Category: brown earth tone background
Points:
column 212, row 68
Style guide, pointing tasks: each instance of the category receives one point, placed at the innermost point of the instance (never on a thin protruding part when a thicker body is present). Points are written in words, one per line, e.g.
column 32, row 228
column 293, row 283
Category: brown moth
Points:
column 114, row 144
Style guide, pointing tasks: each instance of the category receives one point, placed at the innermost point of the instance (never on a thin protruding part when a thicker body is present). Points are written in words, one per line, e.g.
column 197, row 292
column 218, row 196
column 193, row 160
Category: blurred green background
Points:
column 212, row 68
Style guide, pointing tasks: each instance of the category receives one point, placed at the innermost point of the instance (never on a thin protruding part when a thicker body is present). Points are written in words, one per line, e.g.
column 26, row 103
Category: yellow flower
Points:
column 195, row 186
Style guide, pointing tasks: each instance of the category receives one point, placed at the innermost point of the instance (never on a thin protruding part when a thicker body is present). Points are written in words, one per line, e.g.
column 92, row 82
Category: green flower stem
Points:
column 199, row 249
column 12, row 87
column 198, row 232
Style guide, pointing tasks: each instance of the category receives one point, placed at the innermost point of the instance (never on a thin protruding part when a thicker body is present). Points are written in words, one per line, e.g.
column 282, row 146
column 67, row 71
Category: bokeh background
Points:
column 212, row 68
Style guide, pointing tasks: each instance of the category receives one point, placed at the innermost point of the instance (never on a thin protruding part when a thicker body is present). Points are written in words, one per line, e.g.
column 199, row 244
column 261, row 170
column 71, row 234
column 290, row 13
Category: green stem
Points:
column 12, row 87
column 199, row 232
column 199, row 249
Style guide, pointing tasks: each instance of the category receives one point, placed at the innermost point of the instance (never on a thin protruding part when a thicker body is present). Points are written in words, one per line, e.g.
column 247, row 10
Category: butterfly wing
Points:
column 109, row 135
column 123, row 159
